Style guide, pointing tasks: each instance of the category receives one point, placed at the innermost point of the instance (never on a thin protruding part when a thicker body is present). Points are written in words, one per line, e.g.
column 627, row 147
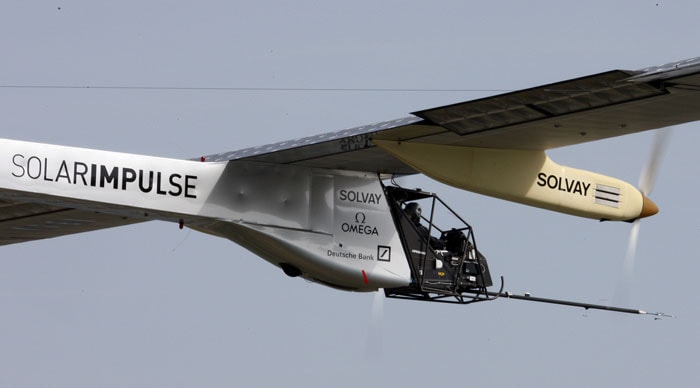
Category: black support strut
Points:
column 587, row 306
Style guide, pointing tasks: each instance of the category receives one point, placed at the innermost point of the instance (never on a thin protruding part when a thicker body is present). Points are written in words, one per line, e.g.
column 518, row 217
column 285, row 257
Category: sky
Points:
column 151, row 305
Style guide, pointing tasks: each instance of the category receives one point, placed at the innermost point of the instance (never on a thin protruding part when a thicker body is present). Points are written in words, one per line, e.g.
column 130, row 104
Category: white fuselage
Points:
column 334, row 226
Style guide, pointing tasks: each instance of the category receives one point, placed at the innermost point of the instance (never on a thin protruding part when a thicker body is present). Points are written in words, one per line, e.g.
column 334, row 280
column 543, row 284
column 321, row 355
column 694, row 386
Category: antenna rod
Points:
column 586, row 306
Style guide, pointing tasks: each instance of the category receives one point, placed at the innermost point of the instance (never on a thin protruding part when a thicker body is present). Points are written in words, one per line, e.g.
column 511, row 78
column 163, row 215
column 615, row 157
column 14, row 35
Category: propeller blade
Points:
column 375, row 330
column 622, row 296
column 647, row 179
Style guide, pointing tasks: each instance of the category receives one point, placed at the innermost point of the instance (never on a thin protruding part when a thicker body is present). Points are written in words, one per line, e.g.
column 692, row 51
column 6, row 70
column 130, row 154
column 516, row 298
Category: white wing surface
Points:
column 594, row 107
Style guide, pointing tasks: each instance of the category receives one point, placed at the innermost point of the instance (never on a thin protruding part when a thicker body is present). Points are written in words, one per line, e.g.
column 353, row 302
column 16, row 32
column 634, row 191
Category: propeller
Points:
column 375, row 330
column 647, row 179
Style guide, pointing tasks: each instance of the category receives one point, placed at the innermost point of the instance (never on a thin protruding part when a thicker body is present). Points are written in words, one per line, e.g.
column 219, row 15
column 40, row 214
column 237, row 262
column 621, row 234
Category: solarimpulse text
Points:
column 103, row 176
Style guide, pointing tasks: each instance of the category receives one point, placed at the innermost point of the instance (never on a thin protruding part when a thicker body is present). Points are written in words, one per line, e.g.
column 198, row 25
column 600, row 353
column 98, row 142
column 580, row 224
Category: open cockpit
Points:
column 440, row 247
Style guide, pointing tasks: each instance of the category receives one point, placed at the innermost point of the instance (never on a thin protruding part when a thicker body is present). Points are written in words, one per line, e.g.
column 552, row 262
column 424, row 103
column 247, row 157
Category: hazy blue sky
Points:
column 151, row 305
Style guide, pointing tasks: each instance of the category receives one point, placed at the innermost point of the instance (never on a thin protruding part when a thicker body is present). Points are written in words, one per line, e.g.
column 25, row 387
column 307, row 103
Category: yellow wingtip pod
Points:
column 529, row 177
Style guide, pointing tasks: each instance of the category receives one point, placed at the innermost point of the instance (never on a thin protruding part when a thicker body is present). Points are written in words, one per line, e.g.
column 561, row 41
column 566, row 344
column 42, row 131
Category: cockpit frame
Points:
column 445, row 262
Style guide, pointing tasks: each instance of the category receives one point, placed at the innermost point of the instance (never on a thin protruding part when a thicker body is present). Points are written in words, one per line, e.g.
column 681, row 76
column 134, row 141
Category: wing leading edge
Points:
column 594, row 107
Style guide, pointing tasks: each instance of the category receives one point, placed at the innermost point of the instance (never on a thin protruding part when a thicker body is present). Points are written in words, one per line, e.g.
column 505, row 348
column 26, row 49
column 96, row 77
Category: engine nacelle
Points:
column 527, row 177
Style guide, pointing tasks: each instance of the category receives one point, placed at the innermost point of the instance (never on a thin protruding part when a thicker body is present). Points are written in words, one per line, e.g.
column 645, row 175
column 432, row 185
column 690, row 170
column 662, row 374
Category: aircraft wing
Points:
column 584, row 109
column 594, row 107
column 24, row 219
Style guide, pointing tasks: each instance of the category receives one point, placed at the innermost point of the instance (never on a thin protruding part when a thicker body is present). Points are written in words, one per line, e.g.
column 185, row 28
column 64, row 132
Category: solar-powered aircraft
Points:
column 325, row 208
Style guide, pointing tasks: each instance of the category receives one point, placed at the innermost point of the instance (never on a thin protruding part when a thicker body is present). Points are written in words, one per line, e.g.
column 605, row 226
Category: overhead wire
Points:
column 245, row 88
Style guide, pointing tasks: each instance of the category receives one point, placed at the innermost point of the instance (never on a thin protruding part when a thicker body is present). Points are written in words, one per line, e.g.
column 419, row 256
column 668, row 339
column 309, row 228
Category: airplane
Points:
column 327, row 208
